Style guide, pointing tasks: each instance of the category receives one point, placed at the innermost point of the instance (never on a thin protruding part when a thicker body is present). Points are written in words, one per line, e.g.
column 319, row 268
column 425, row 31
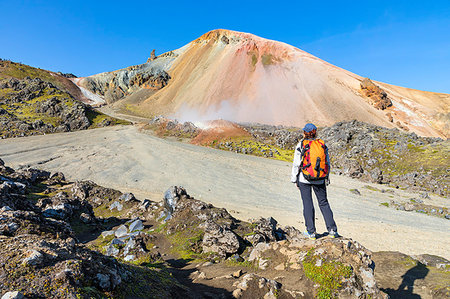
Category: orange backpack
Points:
column 314, row 163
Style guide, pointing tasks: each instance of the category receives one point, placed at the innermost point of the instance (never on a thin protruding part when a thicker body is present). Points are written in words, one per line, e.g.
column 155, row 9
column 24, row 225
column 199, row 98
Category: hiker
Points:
column 310, row 170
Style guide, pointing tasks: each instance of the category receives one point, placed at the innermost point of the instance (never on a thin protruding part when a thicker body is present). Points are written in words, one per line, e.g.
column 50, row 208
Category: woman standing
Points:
column 310, row 170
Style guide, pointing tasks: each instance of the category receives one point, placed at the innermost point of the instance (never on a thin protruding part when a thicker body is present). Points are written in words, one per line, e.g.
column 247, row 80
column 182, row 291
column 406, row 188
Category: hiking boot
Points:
column 333, row 234
column 311, row 236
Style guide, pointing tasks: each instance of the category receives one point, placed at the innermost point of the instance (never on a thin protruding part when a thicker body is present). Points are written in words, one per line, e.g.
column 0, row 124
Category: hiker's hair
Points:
column 310, row 135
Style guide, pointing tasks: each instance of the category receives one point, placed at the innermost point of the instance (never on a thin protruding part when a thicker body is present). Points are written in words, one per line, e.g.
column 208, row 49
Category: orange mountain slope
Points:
column 244, row 78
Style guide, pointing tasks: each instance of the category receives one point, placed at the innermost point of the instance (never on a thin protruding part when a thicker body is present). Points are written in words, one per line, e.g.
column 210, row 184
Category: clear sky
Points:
column 405, row 43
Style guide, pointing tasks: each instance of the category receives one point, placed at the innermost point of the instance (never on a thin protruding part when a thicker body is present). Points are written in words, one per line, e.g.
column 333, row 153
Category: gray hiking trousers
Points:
column 308, row 207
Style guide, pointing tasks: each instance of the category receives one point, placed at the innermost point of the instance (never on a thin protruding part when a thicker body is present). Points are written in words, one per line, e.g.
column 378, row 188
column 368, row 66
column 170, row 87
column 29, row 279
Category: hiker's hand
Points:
column 327, row 181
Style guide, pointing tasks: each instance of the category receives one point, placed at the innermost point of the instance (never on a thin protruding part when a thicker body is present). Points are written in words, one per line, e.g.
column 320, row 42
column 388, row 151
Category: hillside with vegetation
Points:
column 35, row 101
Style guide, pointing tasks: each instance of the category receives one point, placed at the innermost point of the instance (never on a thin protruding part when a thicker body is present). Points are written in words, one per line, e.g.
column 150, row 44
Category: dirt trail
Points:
column 249, row 187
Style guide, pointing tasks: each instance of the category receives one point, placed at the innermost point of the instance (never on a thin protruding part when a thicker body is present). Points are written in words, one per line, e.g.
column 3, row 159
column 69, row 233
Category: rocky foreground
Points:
column 79, row 240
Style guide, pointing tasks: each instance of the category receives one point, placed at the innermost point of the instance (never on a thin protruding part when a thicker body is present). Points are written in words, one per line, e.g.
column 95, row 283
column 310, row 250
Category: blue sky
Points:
column 406, row 43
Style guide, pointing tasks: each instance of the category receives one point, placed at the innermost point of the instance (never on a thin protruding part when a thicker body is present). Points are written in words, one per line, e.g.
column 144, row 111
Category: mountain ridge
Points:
column 245, row 78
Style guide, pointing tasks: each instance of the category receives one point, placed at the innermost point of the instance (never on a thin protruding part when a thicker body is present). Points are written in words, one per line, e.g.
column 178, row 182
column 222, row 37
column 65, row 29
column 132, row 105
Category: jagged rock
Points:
column 131, row 244
column 35, row 258
column 110, row 250
column 127, row 197
column 57, row 178
column 129, row 257
column 145, row 205
column 219, row 239
column 263, row 264
column 59, row 211
column 80, row 190
column 292, row 234
column 116, row 85
column 103, row 281
column 152, row 55
column 85, row 218
column 264, row 230
column 237, row 273
column 171, row 197
column 136, row 225
column 369, row 282
column 258, row 250
column 255, row 238
column 121, row 231
column 117, row 242
column 107, row 233
column 355, row 191
column 409, row 207
column 34, row 175
column 253, row 282
column 236, row 258
column 116, row 205
column 377, row 96
column 13, row 295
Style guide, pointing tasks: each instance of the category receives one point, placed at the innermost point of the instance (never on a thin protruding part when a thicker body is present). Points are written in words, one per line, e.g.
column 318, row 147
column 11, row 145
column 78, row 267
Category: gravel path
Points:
column 249, row 187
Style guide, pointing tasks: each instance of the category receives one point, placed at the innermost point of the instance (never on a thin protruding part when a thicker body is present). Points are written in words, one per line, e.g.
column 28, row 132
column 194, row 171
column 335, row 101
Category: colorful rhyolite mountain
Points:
column 244, row 78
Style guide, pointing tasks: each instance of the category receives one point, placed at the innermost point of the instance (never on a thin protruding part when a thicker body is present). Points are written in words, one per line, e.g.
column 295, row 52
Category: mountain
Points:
column 245, row 78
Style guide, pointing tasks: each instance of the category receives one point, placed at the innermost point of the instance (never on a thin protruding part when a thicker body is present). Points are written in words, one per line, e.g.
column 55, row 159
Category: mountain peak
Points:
column 218, row 34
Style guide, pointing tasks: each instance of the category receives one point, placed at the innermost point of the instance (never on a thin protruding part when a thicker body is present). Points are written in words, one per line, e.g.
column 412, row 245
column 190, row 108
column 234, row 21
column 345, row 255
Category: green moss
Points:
column 246, row 264
column 146, row 282
column 329, row 275
column 185, row 243
column 255, row 148
column 103, row 211
column 161, row 227
column 254, row 59
column 97, row 118
column 384, row 204
column 372, row 188
column 267, row 59
column 20, row 71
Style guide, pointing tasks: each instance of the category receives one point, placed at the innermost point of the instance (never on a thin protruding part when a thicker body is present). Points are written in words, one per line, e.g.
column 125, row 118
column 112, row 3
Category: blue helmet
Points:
column 309, row 127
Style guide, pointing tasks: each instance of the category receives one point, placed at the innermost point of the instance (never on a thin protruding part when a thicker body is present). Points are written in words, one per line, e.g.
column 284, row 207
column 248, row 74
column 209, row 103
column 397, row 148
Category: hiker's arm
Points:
column 296, row 164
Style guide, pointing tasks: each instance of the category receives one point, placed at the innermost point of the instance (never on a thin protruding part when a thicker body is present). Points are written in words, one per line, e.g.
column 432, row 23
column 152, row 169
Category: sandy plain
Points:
column 127, row 159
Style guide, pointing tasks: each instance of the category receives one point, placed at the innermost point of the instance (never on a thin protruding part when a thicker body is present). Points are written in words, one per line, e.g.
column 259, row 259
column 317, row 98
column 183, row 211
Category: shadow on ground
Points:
column 196, row 290
column 406, row 288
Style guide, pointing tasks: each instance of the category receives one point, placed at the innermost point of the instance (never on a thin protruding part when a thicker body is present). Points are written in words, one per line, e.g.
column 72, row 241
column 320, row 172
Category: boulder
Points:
column 171, row 198
column 103, row 281
column 265, row 228
column 219, row 239
column 13, row 295
column 256, row 252
column 136, row 225
column 127, row 197
column 116, row 205
column 86, row 218
column 35, row 258
column 121, row 231
column 110, row 250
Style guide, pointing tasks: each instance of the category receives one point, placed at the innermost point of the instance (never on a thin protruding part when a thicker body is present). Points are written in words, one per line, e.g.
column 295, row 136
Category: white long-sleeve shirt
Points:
column 296, row 166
